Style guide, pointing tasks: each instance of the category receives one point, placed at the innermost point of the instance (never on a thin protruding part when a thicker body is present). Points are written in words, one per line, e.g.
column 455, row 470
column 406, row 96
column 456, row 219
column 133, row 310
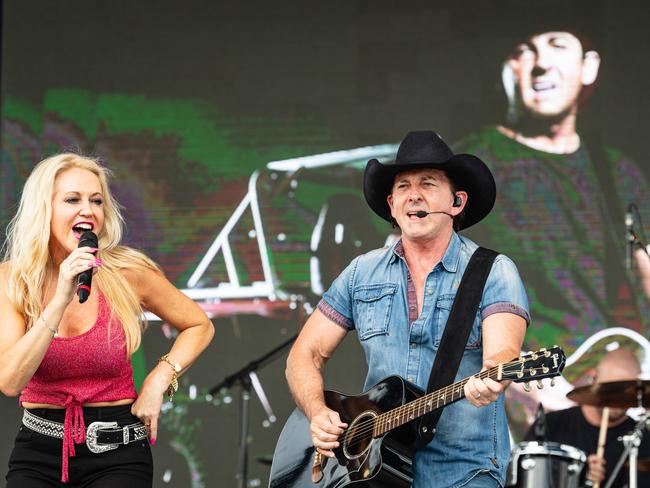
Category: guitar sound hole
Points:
column 358, row 437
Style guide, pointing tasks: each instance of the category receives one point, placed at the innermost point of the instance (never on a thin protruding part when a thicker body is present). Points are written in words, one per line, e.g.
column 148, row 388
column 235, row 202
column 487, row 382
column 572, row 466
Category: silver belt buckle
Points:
column 91, row 437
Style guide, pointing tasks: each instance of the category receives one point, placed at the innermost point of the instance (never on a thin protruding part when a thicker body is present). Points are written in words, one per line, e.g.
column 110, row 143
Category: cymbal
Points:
column 616, row 394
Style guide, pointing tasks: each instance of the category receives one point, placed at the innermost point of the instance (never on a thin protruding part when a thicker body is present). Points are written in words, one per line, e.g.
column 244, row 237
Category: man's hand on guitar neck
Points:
column 326, row 427
column 503, row 334
column 483, row 392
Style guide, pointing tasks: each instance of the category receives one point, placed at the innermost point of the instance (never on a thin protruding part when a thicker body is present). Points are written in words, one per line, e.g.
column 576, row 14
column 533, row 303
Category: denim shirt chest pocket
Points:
column 372, row 306
column 442, row 311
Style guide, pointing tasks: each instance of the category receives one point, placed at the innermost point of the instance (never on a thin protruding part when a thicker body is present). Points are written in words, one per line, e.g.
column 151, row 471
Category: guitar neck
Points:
column 399, row 416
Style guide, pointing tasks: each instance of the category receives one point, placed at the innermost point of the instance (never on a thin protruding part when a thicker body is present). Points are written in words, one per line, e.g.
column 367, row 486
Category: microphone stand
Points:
column 630, row 238
column 540, row 424
column 247, row 379
column 631, row 441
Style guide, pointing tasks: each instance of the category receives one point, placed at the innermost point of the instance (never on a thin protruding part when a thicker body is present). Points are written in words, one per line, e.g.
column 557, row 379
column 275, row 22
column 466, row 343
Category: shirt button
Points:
column 411, row 379
column 413, row 345
column 429, row 291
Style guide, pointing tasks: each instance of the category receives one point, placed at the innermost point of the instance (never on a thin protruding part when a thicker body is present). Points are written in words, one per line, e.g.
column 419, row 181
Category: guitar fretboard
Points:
column 392, row 419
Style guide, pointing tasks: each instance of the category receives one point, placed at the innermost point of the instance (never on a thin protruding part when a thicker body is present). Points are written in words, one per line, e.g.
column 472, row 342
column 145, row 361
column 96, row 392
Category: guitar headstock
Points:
column 535, row 366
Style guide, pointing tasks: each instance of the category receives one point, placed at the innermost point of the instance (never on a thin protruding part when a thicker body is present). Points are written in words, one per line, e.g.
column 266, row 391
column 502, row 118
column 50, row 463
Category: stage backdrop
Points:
column 237, row 133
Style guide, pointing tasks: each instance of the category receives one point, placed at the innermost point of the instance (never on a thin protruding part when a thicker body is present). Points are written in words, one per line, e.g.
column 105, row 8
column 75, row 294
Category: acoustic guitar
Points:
column 376, row 449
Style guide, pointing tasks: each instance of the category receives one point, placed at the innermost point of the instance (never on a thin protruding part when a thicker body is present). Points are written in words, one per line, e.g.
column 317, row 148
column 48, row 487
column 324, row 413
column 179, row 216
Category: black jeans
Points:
column 35, row 461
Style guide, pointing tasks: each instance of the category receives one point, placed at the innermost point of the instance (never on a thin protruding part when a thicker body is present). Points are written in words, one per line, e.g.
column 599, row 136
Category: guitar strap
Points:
column 457, row 330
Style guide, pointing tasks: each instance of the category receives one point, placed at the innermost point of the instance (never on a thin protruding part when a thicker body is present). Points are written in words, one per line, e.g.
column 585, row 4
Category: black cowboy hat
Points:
column 426, row 149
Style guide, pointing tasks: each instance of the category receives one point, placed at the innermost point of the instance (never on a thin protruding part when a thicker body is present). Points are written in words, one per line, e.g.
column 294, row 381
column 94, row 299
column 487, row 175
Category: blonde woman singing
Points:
column 84, row 423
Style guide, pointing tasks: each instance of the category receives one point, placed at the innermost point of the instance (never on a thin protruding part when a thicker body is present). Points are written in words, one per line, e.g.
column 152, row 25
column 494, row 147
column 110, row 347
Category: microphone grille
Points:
column 88, row 238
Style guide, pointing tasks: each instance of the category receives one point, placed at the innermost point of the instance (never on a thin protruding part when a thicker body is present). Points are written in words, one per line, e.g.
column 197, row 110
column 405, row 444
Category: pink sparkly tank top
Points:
column 88, row 368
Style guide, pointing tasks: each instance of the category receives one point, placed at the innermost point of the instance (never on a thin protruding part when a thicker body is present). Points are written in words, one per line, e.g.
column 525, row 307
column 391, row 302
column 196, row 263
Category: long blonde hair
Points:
column 27, row 248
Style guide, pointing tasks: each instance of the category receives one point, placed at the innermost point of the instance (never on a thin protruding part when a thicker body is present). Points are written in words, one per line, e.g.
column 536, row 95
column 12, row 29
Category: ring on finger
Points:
column 478, row 395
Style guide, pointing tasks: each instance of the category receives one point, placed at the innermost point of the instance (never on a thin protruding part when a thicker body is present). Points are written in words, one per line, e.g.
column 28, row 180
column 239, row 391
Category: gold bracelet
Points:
column 176, row 368
column 55, row 332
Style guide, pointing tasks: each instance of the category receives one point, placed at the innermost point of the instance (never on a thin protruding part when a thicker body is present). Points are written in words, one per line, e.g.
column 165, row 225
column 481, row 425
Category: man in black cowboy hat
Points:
column 399, row 298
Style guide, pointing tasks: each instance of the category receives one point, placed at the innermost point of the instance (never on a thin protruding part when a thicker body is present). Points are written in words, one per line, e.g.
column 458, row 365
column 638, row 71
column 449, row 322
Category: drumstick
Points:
column 602, row 436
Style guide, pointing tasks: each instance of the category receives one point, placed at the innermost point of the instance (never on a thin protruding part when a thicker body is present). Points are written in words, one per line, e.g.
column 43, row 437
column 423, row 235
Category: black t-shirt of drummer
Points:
column 570, row 427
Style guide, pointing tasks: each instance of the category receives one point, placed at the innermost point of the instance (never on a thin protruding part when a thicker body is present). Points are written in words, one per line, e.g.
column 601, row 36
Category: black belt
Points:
column 100, row 436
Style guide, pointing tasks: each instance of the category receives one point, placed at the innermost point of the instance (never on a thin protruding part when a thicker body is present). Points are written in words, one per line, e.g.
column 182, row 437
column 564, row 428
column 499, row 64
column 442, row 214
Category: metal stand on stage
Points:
column 620, row 394
column 631, row 442
column 247, row 379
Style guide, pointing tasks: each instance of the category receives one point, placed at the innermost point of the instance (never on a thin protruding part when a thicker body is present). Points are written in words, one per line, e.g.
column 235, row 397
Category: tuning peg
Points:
column 540, row 385
column 527, row 386
column 553, row 381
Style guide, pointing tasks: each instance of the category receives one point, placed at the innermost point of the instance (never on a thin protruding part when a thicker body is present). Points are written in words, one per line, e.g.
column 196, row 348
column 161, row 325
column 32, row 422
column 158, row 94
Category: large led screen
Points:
column 238, row 133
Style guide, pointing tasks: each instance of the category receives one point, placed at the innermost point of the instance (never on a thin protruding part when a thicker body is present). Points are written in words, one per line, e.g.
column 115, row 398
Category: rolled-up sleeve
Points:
column 505, row 291
column 332, row 314
column 336, row 303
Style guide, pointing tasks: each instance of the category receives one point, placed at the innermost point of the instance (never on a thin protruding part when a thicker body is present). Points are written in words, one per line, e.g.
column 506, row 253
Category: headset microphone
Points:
column 421, row 213
column 457, row 203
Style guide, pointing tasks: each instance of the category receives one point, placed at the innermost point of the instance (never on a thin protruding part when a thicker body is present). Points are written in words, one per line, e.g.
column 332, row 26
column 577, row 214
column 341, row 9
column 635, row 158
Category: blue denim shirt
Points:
column 371, row 296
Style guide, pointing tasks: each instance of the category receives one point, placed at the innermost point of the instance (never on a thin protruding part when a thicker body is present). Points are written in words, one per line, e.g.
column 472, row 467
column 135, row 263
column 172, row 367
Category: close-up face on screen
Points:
column 548, row 72
column 238, row 136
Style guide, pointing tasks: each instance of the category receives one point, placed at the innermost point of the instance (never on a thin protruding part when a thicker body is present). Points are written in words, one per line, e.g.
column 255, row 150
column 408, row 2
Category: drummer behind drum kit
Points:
column 554, row 465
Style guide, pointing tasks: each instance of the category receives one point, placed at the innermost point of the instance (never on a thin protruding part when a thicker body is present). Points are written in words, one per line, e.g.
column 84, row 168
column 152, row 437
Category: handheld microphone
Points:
column 421, row 213
column 629, row 236
column 85, row 278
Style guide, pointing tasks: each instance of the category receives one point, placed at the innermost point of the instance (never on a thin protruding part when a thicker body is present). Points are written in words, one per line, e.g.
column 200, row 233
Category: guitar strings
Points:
column 368, row 426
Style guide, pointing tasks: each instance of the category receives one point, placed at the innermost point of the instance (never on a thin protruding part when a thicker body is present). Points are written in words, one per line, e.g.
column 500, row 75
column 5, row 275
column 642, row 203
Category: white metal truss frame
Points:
column 267, row 288
column 233, row 288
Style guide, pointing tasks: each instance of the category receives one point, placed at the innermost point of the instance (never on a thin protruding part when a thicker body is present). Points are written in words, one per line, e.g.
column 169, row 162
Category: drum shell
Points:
column 547, row 464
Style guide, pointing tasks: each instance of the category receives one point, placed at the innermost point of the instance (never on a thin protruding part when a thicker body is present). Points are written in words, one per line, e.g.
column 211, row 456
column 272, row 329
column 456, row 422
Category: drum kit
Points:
column 554, row 465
